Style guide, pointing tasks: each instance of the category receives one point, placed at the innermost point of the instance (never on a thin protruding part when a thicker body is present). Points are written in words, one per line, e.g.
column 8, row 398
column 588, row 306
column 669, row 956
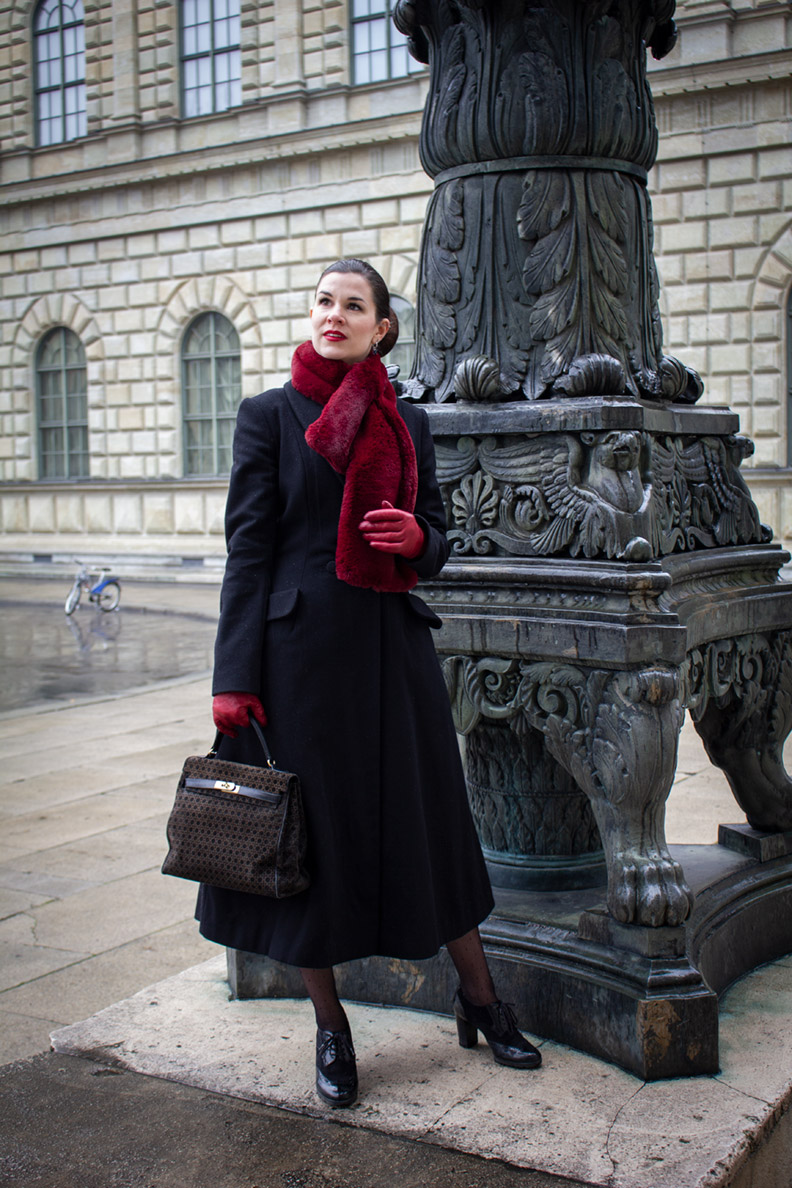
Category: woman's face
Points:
column 344, row 321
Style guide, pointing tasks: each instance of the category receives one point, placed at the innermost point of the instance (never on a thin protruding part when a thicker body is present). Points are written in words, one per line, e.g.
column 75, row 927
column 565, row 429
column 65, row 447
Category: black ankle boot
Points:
column 336, row 1071
column 498, row 1022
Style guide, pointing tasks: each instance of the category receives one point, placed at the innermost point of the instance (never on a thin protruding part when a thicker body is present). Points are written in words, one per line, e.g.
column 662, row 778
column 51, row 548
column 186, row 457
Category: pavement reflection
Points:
column 47, row 656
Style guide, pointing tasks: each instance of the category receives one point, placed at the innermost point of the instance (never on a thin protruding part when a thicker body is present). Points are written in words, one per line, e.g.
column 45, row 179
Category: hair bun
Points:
column 388, row 340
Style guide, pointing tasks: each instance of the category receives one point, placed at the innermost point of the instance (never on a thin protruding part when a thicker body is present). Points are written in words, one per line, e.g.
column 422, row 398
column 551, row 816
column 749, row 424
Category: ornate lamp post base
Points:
column 569, row 676
column 610, row 571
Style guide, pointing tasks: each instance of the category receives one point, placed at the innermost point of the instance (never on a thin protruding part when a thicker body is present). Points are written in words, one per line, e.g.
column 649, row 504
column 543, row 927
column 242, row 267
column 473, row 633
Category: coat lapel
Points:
column 305, row 410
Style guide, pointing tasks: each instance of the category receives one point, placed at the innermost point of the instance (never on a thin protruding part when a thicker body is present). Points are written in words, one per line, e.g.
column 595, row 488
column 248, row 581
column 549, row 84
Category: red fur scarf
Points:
column 360, row 432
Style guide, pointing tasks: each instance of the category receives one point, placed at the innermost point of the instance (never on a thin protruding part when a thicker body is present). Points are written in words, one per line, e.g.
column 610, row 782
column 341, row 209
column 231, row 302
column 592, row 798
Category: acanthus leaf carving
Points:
column 574, row 271
column 546, row 102
column 562, row 268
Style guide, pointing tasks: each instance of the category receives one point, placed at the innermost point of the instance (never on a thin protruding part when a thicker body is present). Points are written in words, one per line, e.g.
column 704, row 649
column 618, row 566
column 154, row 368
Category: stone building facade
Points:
column 149, row 219
column 722, row 202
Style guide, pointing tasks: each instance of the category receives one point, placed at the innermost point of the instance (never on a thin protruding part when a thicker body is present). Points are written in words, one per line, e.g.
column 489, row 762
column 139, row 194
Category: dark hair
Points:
column 379, row 291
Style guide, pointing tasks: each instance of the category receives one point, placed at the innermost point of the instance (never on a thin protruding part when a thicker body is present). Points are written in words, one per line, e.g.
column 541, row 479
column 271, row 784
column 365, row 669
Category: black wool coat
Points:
column 356, row 704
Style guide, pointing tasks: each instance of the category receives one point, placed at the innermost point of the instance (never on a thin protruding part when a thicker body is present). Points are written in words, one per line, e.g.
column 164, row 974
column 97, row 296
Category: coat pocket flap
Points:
column 419, row 607
column 281, row 603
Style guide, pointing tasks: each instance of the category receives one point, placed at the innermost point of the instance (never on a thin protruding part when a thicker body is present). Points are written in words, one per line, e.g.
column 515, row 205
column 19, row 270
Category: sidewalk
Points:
column 85, row 916
column 88, row 922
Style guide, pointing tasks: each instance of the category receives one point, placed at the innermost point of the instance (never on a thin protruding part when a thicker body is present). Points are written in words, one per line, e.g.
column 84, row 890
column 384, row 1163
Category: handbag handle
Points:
column 259, row 734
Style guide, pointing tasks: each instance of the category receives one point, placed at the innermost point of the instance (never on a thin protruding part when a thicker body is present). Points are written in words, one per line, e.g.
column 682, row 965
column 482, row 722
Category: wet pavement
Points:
column 156, row 634
column 87, row 921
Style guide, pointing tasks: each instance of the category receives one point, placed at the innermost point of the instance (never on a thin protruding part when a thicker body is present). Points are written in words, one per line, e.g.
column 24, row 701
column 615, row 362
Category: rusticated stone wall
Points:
column 126, row 235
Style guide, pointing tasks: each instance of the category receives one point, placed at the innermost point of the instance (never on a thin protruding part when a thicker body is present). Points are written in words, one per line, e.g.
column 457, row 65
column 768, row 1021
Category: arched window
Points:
column 404, row 352
column 211, row 387
column 211, row 67
column 59, row 52
column 379, row 50
column 62, row 406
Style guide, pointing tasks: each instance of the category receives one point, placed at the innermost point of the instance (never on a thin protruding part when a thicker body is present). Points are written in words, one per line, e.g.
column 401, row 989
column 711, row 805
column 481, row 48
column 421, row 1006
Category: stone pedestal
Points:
column 609, row 569
column 591, row 662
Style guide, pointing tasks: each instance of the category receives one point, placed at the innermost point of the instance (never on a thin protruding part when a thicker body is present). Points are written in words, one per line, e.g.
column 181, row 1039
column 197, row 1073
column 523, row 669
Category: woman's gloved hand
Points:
column 231, row 709
column 392, row 531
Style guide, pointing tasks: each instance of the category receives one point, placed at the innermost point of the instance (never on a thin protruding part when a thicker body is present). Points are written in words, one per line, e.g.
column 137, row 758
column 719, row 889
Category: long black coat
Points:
column 356, row 704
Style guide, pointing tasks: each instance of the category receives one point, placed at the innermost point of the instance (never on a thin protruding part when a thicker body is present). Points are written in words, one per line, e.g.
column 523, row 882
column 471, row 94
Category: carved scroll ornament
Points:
column 740, row 696
column 616, row 733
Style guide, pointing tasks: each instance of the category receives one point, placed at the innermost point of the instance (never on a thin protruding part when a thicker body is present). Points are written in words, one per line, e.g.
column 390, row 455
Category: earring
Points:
column 375, row 347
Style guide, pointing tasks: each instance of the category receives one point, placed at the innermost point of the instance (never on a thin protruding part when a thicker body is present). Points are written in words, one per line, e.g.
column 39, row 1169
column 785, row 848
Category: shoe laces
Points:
column 503, row 1017
column 336, row 1046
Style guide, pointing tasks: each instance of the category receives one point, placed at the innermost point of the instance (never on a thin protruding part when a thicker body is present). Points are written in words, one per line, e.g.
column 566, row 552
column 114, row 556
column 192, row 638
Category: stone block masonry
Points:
column 724, row 219
column 126, row 235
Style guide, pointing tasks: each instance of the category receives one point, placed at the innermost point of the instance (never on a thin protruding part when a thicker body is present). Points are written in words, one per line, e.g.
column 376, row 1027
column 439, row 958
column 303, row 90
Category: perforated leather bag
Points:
column 238, row 827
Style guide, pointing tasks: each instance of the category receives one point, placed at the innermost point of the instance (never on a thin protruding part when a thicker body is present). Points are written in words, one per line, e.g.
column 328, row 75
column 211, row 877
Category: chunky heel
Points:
column 497, row 1023
column 468, row 1034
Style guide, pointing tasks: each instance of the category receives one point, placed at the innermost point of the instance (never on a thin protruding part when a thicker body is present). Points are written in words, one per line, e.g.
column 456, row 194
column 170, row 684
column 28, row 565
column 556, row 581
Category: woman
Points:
column 333, row 514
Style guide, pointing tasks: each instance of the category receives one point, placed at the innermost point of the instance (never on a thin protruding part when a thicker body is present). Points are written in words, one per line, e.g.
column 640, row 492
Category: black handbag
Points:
column 238, row 827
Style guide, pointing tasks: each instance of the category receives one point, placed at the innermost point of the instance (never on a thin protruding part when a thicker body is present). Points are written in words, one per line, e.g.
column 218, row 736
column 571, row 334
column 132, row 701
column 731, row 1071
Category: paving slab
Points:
column 25, row 877
column 85, row 817
column 104, row 917
column 576, row 1116
column 12, row 902
column 62, row 770
column 90, row 984
column 21, row 1034
column 700, row 801
column 21, row 961
column 136, row 755
column 113, row 854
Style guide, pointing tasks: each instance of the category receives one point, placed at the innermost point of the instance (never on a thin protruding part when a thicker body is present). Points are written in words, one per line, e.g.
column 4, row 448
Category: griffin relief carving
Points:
column 584, row 494
column 617, row 494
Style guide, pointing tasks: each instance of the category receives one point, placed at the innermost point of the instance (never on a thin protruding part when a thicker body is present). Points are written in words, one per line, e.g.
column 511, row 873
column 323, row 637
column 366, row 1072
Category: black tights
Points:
column 466, row 952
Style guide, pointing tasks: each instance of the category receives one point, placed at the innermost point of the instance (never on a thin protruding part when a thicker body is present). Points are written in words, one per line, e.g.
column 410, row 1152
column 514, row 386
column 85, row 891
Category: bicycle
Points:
column 105, row 592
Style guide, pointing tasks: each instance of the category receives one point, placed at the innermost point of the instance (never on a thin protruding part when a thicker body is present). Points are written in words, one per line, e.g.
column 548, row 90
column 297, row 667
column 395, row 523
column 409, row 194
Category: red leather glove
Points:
column 389, row 530
column 231, row 709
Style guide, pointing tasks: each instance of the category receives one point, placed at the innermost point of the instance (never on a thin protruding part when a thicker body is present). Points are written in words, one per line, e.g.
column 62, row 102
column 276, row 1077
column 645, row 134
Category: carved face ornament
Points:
column 618, row 451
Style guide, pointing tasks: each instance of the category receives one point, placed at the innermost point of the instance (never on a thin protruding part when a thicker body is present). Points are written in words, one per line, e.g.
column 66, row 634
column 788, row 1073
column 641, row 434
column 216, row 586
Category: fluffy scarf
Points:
column 360, row 432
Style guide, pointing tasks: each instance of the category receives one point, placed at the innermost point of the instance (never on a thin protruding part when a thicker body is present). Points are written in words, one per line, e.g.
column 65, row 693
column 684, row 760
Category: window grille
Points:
column 210, row 56
column 379, row 50
column 211, row 391
column 62, row 406
column 59, row 71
